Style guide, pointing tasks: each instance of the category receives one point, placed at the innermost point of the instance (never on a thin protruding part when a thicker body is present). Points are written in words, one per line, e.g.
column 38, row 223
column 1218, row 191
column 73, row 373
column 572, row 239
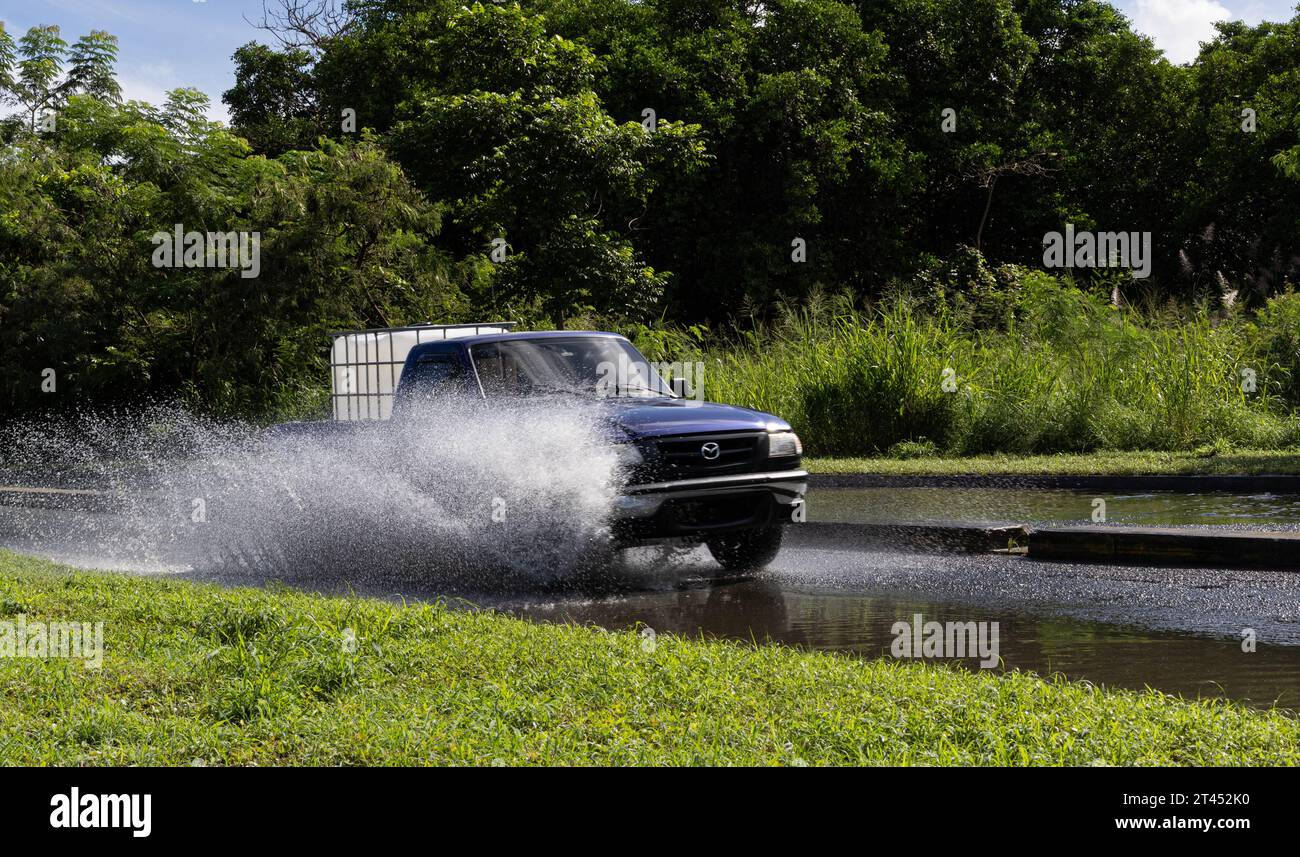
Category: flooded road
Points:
column 1176, row 630
column 771, row 610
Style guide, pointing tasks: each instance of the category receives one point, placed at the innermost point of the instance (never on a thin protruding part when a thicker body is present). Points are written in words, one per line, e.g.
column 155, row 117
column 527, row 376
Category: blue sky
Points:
column 170, row 43
column 162, row 44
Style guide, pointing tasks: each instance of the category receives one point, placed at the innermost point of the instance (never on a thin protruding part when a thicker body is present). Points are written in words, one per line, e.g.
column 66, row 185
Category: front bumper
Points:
column 706, row 506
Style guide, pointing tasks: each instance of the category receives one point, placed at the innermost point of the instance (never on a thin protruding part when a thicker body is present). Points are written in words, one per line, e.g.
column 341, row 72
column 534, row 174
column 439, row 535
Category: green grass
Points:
column 1053, row 370
column 1145, row 463
column 196, row 673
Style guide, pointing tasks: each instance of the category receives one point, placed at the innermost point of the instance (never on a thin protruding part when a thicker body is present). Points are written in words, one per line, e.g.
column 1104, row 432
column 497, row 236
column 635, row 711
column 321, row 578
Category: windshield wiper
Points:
column 555, row 388
column 643, row 388
column 619, row 390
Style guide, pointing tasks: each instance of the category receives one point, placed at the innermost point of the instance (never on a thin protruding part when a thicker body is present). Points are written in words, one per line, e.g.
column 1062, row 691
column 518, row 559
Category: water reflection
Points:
column 766, row 611
column 935, row 505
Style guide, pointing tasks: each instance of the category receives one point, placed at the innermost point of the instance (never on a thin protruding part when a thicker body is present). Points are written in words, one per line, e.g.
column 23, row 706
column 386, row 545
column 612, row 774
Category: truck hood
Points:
column 644, row 418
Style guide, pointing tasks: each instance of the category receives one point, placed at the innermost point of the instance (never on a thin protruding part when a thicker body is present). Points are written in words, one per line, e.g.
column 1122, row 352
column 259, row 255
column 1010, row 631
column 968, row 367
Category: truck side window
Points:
column 430, row 378
column 498, row 372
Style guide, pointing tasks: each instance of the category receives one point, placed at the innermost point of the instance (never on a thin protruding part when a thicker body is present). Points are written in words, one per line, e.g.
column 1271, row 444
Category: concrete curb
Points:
column 1104, row 545
column 1271, row 484
column 1155, row 546
column 919, row 538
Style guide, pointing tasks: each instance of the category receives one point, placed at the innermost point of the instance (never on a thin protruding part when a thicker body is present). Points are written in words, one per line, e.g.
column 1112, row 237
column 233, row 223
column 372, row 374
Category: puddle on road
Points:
column 939, row 505
column 765, row 611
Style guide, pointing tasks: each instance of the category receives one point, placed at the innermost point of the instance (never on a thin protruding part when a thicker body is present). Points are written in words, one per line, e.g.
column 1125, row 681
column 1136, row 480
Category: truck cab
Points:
column 691, row 470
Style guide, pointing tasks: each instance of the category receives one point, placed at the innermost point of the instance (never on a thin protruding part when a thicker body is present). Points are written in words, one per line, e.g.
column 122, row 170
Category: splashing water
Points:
column 517, row 492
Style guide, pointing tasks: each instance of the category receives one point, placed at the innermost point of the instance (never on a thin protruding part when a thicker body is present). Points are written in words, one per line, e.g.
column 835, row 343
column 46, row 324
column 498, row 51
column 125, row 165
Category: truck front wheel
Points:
column 749, row 550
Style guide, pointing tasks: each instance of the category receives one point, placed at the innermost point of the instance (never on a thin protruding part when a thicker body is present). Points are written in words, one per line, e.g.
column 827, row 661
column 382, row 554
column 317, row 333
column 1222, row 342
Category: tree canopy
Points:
column 817, row 120
column 617, row 162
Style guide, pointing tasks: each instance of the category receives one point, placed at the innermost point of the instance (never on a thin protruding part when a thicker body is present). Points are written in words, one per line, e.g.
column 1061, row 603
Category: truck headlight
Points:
column 783, row 443
column 627, row 455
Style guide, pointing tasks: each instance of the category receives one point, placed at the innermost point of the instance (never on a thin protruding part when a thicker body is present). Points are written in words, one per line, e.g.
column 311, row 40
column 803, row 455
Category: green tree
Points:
column 795, row 105
column 346, row 241
column 1239, row 214
column 8, row 57
column 91, row 66
column 40, row 67
column 273, row 102
column 506, row 131
column 41, row 83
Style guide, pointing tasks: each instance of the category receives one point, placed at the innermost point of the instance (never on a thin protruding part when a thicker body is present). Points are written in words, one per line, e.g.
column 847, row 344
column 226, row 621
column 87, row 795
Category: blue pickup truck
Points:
column 691, row 470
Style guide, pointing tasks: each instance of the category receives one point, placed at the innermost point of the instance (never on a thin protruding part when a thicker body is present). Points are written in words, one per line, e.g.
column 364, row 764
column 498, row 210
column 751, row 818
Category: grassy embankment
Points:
column 196, row 673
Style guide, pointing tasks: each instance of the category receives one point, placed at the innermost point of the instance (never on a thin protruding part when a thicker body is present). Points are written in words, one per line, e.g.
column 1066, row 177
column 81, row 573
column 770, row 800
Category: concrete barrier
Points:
column 900, row 535
column 1109, row 545
column 1162, row 546
column 1191, row 484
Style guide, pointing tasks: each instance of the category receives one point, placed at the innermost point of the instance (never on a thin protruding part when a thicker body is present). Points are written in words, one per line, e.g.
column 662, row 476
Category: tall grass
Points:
column 1064, row 372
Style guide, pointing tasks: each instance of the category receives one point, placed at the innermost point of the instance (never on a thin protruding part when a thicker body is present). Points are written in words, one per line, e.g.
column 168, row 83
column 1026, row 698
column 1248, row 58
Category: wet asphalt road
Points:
column 1212, row 602
column 1209, row 602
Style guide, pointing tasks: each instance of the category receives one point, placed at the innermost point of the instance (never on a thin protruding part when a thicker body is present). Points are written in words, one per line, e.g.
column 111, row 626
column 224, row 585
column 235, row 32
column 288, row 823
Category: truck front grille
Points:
column 690, row 455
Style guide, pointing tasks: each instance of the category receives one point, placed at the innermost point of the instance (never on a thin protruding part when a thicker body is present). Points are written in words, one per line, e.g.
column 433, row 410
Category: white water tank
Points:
column 365, row 365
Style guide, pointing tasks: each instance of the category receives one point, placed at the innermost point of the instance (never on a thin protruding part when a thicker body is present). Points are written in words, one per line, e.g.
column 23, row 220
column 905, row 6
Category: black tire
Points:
column 749, row 550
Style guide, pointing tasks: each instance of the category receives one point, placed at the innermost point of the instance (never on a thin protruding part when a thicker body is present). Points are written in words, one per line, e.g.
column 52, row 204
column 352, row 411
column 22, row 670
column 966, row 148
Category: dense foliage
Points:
column 344, row 239
column 634, row 165
column 1051, row 370
column 819, row 120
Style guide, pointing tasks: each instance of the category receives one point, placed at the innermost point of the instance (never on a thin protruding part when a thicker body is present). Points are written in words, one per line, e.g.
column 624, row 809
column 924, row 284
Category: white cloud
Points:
column 147, row 82
column 152, row 81
column 1179, row 26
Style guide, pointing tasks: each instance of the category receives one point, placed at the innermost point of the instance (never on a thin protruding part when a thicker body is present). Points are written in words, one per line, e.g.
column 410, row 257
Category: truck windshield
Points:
column 586, row 365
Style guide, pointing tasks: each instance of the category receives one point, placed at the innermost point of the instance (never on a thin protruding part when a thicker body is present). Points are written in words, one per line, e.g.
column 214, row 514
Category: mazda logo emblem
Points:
column 710, row 451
